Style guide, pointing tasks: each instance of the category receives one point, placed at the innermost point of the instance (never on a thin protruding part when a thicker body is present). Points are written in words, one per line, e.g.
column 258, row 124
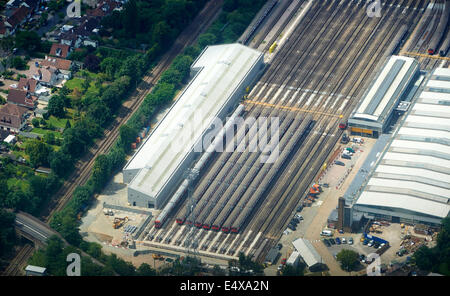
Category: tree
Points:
column 101, row 172
column 61, row 163
column 38, row 152
column 28, row 40
column 206, row 39
column 92, row 63
column 127, row 135
column 7, row 233
column 19, row 63
column 348, row 259
column 290, row 270
column 68, row 125
column 145, row 270
column 35, row 122
column 56, row 105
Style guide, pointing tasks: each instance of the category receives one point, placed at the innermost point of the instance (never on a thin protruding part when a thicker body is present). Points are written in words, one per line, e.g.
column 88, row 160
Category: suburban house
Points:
column 21, row 98
column 62, row 65
column 104, row 8
column 70, row 38
column 29, row 85
column 18, row 18
column 60, row 50
column 12, row 117
column 47, row 76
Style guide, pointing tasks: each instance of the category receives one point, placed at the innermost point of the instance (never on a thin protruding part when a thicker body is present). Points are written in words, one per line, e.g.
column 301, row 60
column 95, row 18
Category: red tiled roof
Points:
column 20, row 97
column 60, row 50
column 61, row 64
column 18, row 16
column 27, row 84
column 11, row 115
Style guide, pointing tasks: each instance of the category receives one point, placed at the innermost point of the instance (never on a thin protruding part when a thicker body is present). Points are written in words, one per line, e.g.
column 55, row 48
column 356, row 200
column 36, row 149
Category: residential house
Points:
column 21, row 98
column 60, row 50
column 12, row 117
column 62, row 65
column 70, row 38
column 104, row 8
column 47, row 76
column 18, row 18
column 29, row 85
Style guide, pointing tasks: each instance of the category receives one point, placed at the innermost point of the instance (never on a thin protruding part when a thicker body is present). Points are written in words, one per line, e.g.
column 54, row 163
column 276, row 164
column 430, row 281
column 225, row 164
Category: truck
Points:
column 326, row 232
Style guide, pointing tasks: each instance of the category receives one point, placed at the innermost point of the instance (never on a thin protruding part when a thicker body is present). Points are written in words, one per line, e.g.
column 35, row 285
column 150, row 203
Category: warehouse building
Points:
column 308, row 253
column 391, row 85
column 410, row 179
column 220, row 76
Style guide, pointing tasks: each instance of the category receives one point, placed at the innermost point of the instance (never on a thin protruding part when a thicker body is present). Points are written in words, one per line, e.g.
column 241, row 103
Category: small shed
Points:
column 11, row 139
column 32, row 270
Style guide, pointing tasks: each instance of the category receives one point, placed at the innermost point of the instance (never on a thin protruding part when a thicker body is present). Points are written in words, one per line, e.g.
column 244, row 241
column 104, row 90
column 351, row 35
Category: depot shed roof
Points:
column 413, row 174
column 218, row 71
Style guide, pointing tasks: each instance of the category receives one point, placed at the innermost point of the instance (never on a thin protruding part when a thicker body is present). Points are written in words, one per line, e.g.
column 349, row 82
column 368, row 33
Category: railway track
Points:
column 327, row 71
column 83, row 167
column 16, row 267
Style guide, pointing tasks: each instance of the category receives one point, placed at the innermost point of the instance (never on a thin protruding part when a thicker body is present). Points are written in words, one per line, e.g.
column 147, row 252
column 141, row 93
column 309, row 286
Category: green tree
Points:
column 61, row 163
column 7, row 233
column 38, row 152
column 145, row 270
column 35, row 122
column 206, row 39
column 290, row 270
column 28, row 40
column 56, row 105
column 348, row 259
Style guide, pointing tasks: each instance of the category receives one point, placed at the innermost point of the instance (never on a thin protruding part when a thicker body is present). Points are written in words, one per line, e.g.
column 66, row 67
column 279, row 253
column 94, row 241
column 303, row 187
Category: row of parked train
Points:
column 441, row 31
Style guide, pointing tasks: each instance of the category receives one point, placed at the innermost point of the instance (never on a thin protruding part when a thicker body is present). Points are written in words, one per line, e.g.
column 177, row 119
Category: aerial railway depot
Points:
column 335, row 64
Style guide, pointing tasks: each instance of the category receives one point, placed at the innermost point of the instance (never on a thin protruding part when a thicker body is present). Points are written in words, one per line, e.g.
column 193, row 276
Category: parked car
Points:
column 338, row 241
column 339, row 162
column 366, row 241
column 341, row 231
column 326, row 242
column 344, row 241
column 295, row 220
column 382, row 245
column 293, row 228
column 370, row 243
column 345, row 156
column 362, row 258
column 299, row 208
column 280, row 267
column 283, row 261
column 376, row 245
column 299, row 217
column 332, row 241
column 280, row 246
column 350, row 241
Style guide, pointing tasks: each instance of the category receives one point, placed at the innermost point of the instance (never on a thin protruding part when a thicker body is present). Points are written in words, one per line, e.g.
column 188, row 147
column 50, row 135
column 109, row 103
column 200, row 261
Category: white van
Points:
column 326, row 233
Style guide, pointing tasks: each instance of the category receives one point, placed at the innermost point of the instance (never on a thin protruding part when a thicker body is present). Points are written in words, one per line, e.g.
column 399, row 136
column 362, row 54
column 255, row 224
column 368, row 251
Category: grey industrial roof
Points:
column 385, row 89
column 220, row 70
column 307, row 251
column 413, row 174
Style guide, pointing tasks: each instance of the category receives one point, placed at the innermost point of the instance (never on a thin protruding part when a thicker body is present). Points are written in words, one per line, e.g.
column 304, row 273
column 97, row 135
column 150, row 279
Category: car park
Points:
column 339, row 162
column 338, row 241
column 350, row 241
column 343, row 240
column 326, row 242
column 332, row 241
column 370, row 243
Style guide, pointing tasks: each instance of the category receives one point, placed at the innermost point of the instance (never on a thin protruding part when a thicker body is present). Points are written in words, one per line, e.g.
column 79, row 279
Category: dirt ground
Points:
column 315, row 217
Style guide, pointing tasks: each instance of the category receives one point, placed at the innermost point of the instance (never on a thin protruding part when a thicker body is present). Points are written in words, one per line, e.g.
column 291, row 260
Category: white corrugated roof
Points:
column 400, row 170
column 409, row 64
column 222, row 68
column 401, row 201
column 413, row 174
column 307, row 251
